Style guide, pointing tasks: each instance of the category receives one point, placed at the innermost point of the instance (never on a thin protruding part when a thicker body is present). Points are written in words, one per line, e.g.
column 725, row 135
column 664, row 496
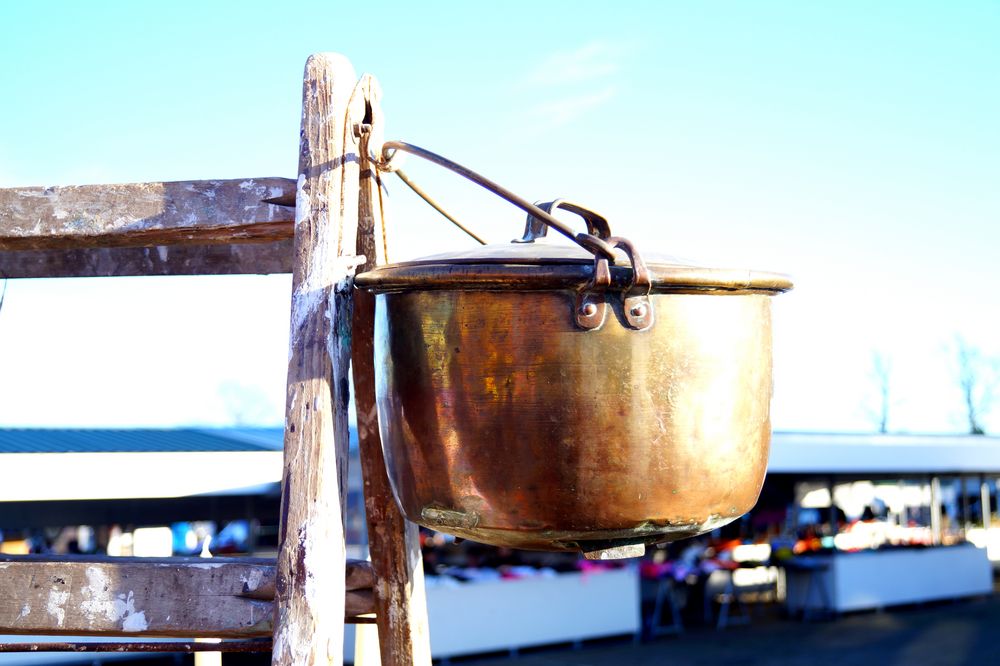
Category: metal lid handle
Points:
column 597, row 225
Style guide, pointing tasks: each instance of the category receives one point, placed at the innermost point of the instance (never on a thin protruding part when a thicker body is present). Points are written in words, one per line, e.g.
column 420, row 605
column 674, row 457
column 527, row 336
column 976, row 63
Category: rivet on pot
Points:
column 588, row 309
column 638, row 310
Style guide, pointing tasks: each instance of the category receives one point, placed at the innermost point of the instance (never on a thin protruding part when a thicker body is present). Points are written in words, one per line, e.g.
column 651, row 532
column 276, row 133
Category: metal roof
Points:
column 902, row 454
column 53, row 440
column 791, row 452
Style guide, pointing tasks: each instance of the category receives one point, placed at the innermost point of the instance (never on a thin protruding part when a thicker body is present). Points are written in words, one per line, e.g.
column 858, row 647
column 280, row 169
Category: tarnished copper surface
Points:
column 535, row 266
column 504, row 422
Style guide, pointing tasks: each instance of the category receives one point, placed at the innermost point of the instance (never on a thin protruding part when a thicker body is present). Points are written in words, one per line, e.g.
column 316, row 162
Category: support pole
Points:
column 966, row 504
column 310, row 594
column 400, row 602
column 832, row 511
column 985, row 501
column 936, row 511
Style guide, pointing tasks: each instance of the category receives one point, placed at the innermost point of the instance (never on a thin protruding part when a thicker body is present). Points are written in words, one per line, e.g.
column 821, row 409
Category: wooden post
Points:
column 176, row 228
column 145, row 214
column 309, row 627
column 400, row 602
column 174, row 596
column 181, row 597
column 201, row 227
column 207, row 658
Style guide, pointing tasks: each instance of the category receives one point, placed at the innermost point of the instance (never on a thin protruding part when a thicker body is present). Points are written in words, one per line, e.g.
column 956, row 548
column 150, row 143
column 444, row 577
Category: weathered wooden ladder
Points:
column 321, row 228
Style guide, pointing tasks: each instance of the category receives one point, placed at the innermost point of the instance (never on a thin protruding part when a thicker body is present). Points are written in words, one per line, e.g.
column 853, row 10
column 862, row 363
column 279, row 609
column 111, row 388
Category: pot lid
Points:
column 601, row 262
column 540, row 264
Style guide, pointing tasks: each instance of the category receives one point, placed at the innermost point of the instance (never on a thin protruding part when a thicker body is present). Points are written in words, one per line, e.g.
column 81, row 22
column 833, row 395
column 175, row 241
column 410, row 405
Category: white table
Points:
column 485, row 616
column 878, row 578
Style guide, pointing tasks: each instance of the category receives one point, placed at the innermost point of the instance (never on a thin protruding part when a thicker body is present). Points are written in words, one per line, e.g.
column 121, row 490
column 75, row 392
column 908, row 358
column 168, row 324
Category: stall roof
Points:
column 66, row 464
column 841, row 453
column 63, row 464
column 138, row 440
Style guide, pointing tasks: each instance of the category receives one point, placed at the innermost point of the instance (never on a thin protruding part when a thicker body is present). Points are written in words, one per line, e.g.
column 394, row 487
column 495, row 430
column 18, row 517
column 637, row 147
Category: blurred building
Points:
column 827, row 495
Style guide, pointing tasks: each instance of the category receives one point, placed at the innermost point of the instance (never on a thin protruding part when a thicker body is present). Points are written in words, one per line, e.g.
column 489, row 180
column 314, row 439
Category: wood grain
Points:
column 394, row 543
column 182, row 599
column 310, row 581
column 178, row 597
column 220, row 259
column 146, row 214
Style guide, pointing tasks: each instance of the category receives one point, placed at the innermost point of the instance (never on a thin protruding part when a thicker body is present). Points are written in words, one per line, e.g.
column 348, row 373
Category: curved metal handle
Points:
column 591, row 303
column 589, row 242
column 597, row 225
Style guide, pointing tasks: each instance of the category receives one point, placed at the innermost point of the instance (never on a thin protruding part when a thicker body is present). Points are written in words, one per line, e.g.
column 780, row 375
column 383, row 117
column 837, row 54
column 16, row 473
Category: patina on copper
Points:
column 571, row 397
column 506, row 422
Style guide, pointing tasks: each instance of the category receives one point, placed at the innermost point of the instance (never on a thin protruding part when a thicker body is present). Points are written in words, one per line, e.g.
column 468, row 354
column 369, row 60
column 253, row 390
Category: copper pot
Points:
column 549, row 397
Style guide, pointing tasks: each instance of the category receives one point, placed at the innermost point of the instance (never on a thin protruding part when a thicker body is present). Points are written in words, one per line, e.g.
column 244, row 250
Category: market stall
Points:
column 883, row 520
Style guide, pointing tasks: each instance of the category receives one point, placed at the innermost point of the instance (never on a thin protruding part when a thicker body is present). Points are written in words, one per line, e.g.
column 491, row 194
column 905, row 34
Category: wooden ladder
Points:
column 321, row 227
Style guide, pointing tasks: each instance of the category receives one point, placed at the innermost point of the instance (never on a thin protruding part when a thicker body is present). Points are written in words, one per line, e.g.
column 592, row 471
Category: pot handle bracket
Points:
column 592, row 301
column 591, row 305
column 637, row 308
column 590, row 308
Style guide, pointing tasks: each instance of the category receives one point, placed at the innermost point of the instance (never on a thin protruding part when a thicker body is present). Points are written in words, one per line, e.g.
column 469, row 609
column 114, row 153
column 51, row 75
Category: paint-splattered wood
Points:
column 146, row 214
column 236, row 259
column 179, row 597
column 310, row 583
column 400, row 599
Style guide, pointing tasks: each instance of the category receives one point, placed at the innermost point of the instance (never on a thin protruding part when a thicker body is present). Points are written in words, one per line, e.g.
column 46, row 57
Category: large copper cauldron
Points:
column 551, row 397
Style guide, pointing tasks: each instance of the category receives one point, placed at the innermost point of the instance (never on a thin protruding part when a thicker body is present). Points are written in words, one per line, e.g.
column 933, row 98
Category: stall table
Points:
column 843, row 582
column 490, row 615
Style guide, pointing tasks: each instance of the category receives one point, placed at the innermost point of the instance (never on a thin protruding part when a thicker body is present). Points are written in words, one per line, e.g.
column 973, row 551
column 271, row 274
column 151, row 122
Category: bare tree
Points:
column 977, row 379
column 881, row 373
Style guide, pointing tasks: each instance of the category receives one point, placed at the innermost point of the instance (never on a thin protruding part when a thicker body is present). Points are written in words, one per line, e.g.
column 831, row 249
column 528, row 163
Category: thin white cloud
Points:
column 569, row 84
column 592, row 61
column 565, row 110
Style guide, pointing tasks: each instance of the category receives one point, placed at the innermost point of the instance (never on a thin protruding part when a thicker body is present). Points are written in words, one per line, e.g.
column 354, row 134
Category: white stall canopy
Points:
column 861, row 454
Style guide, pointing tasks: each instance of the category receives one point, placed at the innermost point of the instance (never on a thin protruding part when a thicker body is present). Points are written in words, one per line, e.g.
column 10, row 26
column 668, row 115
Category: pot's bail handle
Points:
column 591, row 303
column 589, row 242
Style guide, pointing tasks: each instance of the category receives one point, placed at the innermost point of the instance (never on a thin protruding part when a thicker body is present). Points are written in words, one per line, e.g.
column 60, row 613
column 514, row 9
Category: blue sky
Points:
column 854, row 145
